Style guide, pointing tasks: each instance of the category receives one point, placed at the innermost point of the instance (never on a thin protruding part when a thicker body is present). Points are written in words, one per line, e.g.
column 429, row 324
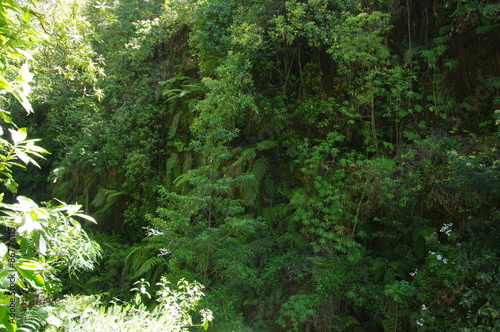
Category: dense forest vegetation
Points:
column 316, row 165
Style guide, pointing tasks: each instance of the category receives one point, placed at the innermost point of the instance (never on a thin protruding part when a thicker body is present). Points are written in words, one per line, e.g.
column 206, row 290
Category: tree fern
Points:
column 143, row 258
column 247, row 155
column 259, row 168
column 148, row 265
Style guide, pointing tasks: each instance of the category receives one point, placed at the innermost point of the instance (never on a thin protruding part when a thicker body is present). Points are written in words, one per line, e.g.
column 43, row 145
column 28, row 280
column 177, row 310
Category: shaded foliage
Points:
column 318, row 165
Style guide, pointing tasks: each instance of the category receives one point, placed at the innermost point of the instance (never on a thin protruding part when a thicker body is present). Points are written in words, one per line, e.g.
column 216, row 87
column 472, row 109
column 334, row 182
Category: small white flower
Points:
column 446, row 228
column 207, row 314
column 424, row 307
column 151, row 231
column 414, row 273
column 164, row 252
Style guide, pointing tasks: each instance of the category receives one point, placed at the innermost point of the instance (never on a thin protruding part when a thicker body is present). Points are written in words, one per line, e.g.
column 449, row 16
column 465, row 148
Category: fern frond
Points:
column 173, row 127
column 106, row 196
column 236, row 151
column 259, row 168
column 266, row 145
column 246, row 156
column 33, row 319
column 251, row 188
column 148, row 265
column 188, row 162
column 143, row 258
column 172, row 161
column 250, row 192
column 181, row 179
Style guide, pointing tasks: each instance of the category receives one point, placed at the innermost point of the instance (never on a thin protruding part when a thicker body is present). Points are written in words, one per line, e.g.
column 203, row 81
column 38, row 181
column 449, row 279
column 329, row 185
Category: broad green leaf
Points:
column 26, row 203
column 25, row 247
column 29, row 265
column 11, row 185
column 21, row 283
column 30, row 145
column 24, row 77
column 19, row 135
column 4, row 282
column 3, row 249
column 5, row 299
column 28, row 224
column 23, row 156
column 41, row 244
column 4, row 85
column 21, row 97
column 84, row 216
column 39, row 281
column 5, row 319
column 5, row 116
column 26, row 274
column 73, row 209
column 26, row 16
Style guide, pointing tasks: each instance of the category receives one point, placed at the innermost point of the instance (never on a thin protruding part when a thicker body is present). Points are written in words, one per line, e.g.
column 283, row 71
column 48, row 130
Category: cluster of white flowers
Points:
column 446, row 229
column 207, row 315
column 421, row 321
column 439, row 257
column 414, row 273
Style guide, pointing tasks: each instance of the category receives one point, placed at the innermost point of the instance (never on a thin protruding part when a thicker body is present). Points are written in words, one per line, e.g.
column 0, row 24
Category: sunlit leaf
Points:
column 23, row 156
column 29, row 265
column 18, row 135
column 4, row 85
column 39, row 281
column 3, row 249
column 11, row 185
column 5, row 116
column 84, row 216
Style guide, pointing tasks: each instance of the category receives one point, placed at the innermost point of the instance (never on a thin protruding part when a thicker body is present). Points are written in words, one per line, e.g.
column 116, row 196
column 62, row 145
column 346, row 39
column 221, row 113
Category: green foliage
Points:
column 319, row 165
column 146, row 260
column 172, row 312
column 298, row 309
column 40, row 240
column 67, row 61
column 49, row 240
column 33, row 319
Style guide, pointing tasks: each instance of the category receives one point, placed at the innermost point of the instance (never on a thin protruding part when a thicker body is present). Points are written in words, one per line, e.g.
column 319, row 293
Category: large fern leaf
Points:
column 33, row 319
column 251, row 188
column 148, row 266
column 247, row 155
column 266, row 145
column 173, row 127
